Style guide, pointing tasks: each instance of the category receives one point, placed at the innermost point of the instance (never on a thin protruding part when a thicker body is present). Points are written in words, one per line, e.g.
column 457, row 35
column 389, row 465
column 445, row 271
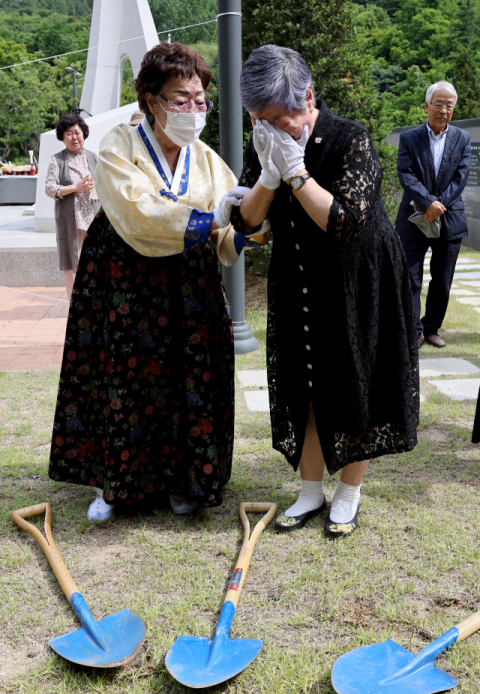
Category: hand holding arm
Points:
column 221, row 214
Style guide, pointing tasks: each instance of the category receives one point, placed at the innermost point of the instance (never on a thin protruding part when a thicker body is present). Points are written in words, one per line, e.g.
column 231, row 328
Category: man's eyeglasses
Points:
column 440, row 107
column 186, row 106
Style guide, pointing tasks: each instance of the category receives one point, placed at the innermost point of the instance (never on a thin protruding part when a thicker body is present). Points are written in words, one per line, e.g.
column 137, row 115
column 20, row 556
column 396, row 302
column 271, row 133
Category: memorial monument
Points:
column 121, row 30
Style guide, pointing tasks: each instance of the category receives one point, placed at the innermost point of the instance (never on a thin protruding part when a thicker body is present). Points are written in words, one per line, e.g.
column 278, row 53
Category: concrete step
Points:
column 32, row 267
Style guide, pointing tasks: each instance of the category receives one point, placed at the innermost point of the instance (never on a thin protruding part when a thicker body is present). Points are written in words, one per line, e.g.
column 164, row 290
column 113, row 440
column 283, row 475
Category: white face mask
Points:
column 183, row 128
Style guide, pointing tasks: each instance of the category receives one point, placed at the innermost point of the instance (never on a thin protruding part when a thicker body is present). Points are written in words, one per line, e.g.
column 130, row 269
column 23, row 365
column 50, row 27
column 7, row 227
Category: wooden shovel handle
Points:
column 243, row 561
column 48, row 545
column 469, row 626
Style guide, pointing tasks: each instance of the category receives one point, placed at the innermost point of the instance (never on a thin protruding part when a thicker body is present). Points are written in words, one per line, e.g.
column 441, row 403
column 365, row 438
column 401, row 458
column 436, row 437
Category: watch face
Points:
column 297, row 182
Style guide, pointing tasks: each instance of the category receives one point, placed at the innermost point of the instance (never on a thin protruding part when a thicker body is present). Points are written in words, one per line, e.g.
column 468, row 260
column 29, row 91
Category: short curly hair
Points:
column 66, row 121
column 168, row 60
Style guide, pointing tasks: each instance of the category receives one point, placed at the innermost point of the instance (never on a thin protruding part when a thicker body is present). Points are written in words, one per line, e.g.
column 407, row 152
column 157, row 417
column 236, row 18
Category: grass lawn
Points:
column 410, row 572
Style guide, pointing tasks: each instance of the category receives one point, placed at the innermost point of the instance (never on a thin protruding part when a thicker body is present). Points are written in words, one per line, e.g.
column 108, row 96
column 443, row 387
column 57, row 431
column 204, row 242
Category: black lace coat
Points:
column 341, row 324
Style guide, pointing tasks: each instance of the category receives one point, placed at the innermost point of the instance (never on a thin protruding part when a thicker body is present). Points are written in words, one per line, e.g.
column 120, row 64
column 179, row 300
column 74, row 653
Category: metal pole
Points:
column 75, row 93
column 75, row 108
column 229, row 20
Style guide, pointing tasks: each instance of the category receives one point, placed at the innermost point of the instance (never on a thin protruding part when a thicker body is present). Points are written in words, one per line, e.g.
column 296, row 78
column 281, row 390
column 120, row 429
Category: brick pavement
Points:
column 32, row 327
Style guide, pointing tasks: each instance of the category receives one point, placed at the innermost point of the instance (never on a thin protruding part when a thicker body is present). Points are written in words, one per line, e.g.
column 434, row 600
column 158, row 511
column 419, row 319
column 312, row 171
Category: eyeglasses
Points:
column 185, row 106
column 439, row 107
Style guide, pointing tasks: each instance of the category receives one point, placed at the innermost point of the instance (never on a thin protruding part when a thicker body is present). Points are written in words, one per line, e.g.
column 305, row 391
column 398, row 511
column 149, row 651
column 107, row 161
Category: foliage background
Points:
column 371, row 61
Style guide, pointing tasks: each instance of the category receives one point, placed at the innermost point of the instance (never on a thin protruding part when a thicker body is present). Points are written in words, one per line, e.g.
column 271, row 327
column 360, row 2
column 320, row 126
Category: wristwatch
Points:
column 298, row 181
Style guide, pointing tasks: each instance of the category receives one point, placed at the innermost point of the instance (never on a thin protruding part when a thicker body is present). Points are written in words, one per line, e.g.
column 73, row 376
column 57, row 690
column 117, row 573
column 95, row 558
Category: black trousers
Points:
column 442, row 268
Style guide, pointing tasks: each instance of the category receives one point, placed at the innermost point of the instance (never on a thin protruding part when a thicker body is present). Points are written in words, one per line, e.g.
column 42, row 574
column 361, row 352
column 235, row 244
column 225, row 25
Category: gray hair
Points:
column 440, row 85
column 274, row 76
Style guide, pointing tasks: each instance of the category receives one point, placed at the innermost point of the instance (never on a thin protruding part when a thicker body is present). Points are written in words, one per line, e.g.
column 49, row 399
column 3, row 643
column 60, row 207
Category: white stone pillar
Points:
column 115, row 21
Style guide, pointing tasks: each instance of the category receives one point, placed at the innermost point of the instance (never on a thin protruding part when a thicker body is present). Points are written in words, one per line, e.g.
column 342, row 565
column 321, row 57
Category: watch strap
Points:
column 304, row 178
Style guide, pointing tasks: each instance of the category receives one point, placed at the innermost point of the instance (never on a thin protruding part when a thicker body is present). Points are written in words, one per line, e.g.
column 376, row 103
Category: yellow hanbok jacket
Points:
column 155, row 212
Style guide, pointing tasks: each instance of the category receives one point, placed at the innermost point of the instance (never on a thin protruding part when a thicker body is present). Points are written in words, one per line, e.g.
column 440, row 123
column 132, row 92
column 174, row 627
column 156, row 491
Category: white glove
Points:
column 234, row 197
column 288, row 154
column 270, row 177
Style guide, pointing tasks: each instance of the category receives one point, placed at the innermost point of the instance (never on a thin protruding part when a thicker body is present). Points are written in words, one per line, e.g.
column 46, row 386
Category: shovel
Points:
column 197, row 661
column 387, row 668
column 111, row 642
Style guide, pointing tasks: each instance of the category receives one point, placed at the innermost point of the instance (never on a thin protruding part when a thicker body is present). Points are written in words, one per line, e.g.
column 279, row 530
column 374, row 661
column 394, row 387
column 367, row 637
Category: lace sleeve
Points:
column 250, row 174
column 359, row 178
column 52, row 185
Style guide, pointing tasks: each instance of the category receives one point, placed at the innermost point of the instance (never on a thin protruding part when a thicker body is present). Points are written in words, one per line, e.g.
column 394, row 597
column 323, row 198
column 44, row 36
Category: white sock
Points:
column 311, row 497
column 345, row 503
column 105, row 506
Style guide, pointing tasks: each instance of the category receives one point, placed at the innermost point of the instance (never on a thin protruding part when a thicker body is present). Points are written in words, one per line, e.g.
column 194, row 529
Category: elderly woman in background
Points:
column 69, row 182
column 342, row 352
column 146, row 397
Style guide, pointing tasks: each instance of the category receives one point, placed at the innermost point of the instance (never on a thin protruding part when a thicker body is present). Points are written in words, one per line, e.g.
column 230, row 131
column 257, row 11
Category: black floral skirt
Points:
column 146, row 395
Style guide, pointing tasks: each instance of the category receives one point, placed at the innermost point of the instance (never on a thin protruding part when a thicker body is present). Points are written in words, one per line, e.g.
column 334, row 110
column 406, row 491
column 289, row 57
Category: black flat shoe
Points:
column 335, row 530
column 284, row 524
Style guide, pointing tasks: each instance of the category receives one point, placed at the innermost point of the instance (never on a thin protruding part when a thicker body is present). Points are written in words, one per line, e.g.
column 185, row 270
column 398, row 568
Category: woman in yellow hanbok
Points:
column 146, row 396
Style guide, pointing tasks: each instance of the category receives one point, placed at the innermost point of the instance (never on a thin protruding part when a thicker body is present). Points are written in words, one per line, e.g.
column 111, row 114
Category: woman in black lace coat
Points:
column 342, row 349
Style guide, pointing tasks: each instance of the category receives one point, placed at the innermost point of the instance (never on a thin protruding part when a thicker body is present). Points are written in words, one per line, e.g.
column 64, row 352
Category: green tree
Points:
column 389, row 6
column 464, row 71
column 76, row 8
column 33, row 97
column 323, row 32
column 371, row 24
column 170, row 14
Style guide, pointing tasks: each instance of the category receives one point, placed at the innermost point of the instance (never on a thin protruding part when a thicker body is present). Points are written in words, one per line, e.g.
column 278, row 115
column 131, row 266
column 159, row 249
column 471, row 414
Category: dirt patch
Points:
column 255, row 291
column 435, row 434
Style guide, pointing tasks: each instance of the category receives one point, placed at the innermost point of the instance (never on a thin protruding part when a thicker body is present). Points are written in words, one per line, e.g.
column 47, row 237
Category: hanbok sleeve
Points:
column 151, row 223
column 229, row 243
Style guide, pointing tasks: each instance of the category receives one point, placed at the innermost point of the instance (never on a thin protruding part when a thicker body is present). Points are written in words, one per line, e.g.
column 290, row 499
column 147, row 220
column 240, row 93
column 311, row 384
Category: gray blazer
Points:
column 65, row 213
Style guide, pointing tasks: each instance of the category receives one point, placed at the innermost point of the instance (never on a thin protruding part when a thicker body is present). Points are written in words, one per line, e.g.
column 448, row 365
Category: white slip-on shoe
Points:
column 99, row 511
column 180, row 506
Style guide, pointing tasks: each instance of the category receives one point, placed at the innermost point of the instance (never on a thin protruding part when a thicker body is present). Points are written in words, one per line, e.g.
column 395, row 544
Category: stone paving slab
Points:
column 465, row 264
column 466, row 276
column 18, row 231
column 470, row 301
column 446, row 366
column 257, row 400
column 473, row 283
column 253, row 378
column 459, row 388
column 473, row 266
column 462, row 292
column 32, row 327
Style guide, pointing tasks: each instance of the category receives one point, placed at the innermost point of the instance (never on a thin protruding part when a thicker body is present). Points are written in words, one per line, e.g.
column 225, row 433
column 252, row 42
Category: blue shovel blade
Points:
column 111, row 642
column 188, row 660
column 377, row 670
